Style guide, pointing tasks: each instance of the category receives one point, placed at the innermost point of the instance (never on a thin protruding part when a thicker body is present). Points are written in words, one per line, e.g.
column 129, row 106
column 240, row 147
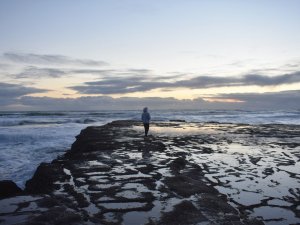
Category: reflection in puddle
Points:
column 129, row 194
column 292, row 169
column 278, row 202
column 95, row 163
column 273, row 213
column 98, row 178
column 138, row 218
column 9, row 205
column 104, row 186
column 125, row 205
column 139, row 187
column 110, row 217
column 243, row 149
column 247, row 198
column 252, row 172
column 92, row 209
column 132, row 176
column 180, row 130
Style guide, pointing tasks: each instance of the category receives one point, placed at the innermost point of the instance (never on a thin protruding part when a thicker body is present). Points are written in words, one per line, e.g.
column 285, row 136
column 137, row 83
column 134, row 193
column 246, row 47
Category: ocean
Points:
column 29, row 138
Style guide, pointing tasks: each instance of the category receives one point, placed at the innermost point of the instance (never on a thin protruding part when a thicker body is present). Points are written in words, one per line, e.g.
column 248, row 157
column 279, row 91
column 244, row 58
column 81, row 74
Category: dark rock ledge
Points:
column 112, row 175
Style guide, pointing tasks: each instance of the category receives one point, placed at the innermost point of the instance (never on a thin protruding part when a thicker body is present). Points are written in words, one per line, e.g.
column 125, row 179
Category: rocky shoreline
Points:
column 183, row 173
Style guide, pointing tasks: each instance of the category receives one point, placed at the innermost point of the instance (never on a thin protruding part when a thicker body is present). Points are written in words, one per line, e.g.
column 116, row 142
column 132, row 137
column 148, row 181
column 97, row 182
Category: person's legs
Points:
column 146, row 126
column 147, row 129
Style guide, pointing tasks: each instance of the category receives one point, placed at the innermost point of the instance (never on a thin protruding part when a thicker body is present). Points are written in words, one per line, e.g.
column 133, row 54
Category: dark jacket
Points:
column 146, row 116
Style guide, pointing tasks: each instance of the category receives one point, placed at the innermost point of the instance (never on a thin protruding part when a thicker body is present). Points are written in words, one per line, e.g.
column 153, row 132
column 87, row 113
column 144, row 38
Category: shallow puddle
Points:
column 129, row 194
column 125, row 205
column 270, row 214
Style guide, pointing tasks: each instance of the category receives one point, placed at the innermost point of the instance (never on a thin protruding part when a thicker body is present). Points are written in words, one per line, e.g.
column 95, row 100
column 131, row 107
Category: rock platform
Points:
column 183, row 173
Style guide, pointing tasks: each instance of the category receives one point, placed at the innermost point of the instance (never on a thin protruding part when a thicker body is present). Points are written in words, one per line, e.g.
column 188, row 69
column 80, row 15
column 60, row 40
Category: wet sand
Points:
column 183, row 173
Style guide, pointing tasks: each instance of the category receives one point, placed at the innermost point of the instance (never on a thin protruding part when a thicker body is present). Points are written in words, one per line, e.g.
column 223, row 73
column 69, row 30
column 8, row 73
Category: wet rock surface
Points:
column 8, row 188
column 183, row 173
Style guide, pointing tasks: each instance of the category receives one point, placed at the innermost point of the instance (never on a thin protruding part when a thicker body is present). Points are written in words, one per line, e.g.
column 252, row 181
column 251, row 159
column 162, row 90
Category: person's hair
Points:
column 145, row 109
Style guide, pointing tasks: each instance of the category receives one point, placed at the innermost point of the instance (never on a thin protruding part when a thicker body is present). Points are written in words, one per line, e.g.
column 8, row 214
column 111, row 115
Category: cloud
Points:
column 41, row 72
column 4, row 66
column 10, row 93
column 122, row 85
column 139, row 70
column 271, row 100
column 91, row 71
column 107, row 103
column 291, row 67
column 37, row 73
column 56, row 72
column 34, row 72
column 287, row 100
column 15, row 90
column 123, row 81
column 38, row 59
column 114, row 85
column 250, row 79
column 274, row 80
column 128, row 81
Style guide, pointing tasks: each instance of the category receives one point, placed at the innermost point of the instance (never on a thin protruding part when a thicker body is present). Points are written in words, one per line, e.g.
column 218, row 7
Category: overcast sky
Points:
column 117, row 54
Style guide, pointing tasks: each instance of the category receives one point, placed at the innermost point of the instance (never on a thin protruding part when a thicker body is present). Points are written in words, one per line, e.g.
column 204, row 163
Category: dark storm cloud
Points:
column 38, row 59
column 9, row 93
column 121, row 85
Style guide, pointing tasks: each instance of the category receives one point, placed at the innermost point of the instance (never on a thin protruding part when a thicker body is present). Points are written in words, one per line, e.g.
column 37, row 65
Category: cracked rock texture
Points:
column 183, row 173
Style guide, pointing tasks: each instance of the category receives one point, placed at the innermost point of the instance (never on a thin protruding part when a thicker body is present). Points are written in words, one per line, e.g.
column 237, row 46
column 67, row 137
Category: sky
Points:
column 168, row 54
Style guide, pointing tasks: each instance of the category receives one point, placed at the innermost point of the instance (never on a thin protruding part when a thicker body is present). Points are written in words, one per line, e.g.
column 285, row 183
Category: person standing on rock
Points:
column 146, row 120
